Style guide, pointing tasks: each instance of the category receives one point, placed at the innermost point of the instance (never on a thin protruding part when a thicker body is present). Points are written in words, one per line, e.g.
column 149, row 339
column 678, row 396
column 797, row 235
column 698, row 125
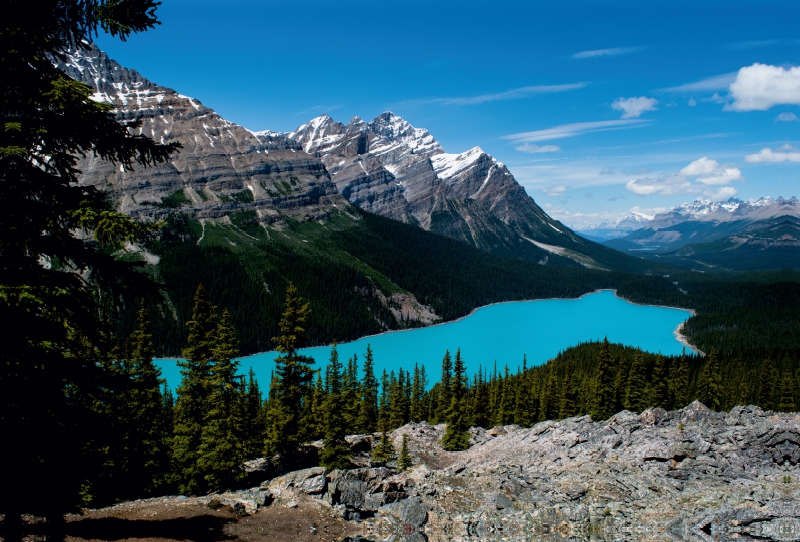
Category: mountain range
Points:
column 385, row 166
column 704, row 234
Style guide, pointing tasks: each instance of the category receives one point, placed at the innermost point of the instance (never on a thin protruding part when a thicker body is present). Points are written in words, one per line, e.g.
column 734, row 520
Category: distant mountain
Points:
column 735, row 234
column 612, row 229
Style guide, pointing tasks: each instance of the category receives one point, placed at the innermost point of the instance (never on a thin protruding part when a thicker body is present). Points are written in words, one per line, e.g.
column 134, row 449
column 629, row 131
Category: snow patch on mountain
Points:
column 449, row 165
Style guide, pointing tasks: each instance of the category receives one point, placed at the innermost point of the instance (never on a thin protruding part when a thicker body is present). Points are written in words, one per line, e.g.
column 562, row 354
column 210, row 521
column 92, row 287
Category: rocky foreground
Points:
column 688, row 475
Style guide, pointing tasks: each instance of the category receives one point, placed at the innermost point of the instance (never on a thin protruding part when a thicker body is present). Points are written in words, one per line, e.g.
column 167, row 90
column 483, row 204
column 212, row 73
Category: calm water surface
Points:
column 501, row 334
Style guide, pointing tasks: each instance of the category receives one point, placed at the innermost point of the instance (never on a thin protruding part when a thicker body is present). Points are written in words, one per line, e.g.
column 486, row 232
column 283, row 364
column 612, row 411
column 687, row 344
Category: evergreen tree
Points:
column 351, row 400
column 404, row 461
column 293, row 381
column 709, row 388
column 52, row 281
column 769, row 381
column 456, row 436
column 384, row 451
column 255, row 423
column 335, row 451
column 444, row 391
column 567, row 405
column 659, row 390
column 508, row 397
column 193, row 392
column 786, row 403
column 522, row 401
column 480, row 402
column 603, row 402
column 416, row 407
column 221, row 451
column 636, row 397
column 368, row 415
column 743, row 397
column 150, row 430
column 680, row 382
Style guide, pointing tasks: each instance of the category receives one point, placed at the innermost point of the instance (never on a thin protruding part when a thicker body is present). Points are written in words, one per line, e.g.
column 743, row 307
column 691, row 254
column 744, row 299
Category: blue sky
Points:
column 596, row 107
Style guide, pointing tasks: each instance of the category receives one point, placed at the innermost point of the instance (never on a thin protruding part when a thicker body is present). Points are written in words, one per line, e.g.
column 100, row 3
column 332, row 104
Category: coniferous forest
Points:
column 85, row 413
column 196, row 440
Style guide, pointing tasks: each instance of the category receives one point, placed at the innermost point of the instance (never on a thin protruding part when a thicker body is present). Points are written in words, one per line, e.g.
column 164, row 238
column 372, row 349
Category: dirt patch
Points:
column 172, row 519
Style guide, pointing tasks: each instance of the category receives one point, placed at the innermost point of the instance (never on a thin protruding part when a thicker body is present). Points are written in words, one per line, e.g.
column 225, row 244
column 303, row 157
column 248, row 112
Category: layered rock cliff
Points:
column 221, row 168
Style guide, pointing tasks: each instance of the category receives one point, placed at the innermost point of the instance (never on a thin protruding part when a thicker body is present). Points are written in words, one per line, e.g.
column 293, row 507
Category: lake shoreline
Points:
column 677, row 332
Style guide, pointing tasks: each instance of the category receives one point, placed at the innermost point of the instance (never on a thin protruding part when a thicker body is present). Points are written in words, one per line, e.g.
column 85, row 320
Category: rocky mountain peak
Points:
column 221, row 168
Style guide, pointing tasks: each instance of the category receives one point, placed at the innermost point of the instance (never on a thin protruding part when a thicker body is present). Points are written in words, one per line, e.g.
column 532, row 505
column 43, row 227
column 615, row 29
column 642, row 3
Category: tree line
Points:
column 199, row 440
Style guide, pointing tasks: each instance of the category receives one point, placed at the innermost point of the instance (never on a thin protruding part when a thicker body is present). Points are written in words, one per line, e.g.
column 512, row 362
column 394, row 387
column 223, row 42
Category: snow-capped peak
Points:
column 447, row 165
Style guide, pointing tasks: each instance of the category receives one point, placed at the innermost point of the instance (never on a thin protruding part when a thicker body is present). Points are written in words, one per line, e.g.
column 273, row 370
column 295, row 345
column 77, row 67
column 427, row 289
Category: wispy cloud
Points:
column 717, row 82
column 744, row 45
column 786, row 117
column 554, row 191
column 533, row 148
column 575, row 129
column 613, row 51
column 513, row 94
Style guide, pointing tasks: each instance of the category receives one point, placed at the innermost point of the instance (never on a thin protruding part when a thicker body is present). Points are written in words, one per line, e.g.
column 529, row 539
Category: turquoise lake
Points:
column 501, row 334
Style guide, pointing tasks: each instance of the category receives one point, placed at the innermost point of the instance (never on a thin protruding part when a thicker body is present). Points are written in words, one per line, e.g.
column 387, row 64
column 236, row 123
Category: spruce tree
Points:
column 335, row 452
column 456, row 436
column 293, row 381
column 193, row 392
column 384, row 451
column 222, row 447
column 255, row 423
column 709, row 388
column 567, row 405
column 404, row 461
column 603, row 400
column 786, row 403
column 57, row 237
column 769, row 382
column 480, row 402
column 444, row 391
column 659, row 390
column 507, row 399
column 368, row 415
column 417, row 396
column 636, row 397
column 522, row 401
column 150, row 429
column 351, row 400
column 680, row 383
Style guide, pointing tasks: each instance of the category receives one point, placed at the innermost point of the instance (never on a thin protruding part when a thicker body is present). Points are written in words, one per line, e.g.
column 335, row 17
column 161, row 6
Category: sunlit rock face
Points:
column 221, row 167
column 388, row 167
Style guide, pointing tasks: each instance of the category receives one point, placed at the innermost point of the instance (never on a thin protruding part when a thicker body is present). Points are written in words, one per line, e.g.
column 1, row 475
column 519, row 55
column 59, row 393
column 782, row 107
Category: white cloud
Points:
column 665, row 185
column 613, row 51
column 692, row 102
column 786, row 117
column 706, row 172
column 717, row 82
column 709, row 172
column 634, row 107
column 575, row 129
column 533, row 148
column 701, row 166
column 761, row 86
column 606, row 171
column 787, row 153
column 554, row 190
